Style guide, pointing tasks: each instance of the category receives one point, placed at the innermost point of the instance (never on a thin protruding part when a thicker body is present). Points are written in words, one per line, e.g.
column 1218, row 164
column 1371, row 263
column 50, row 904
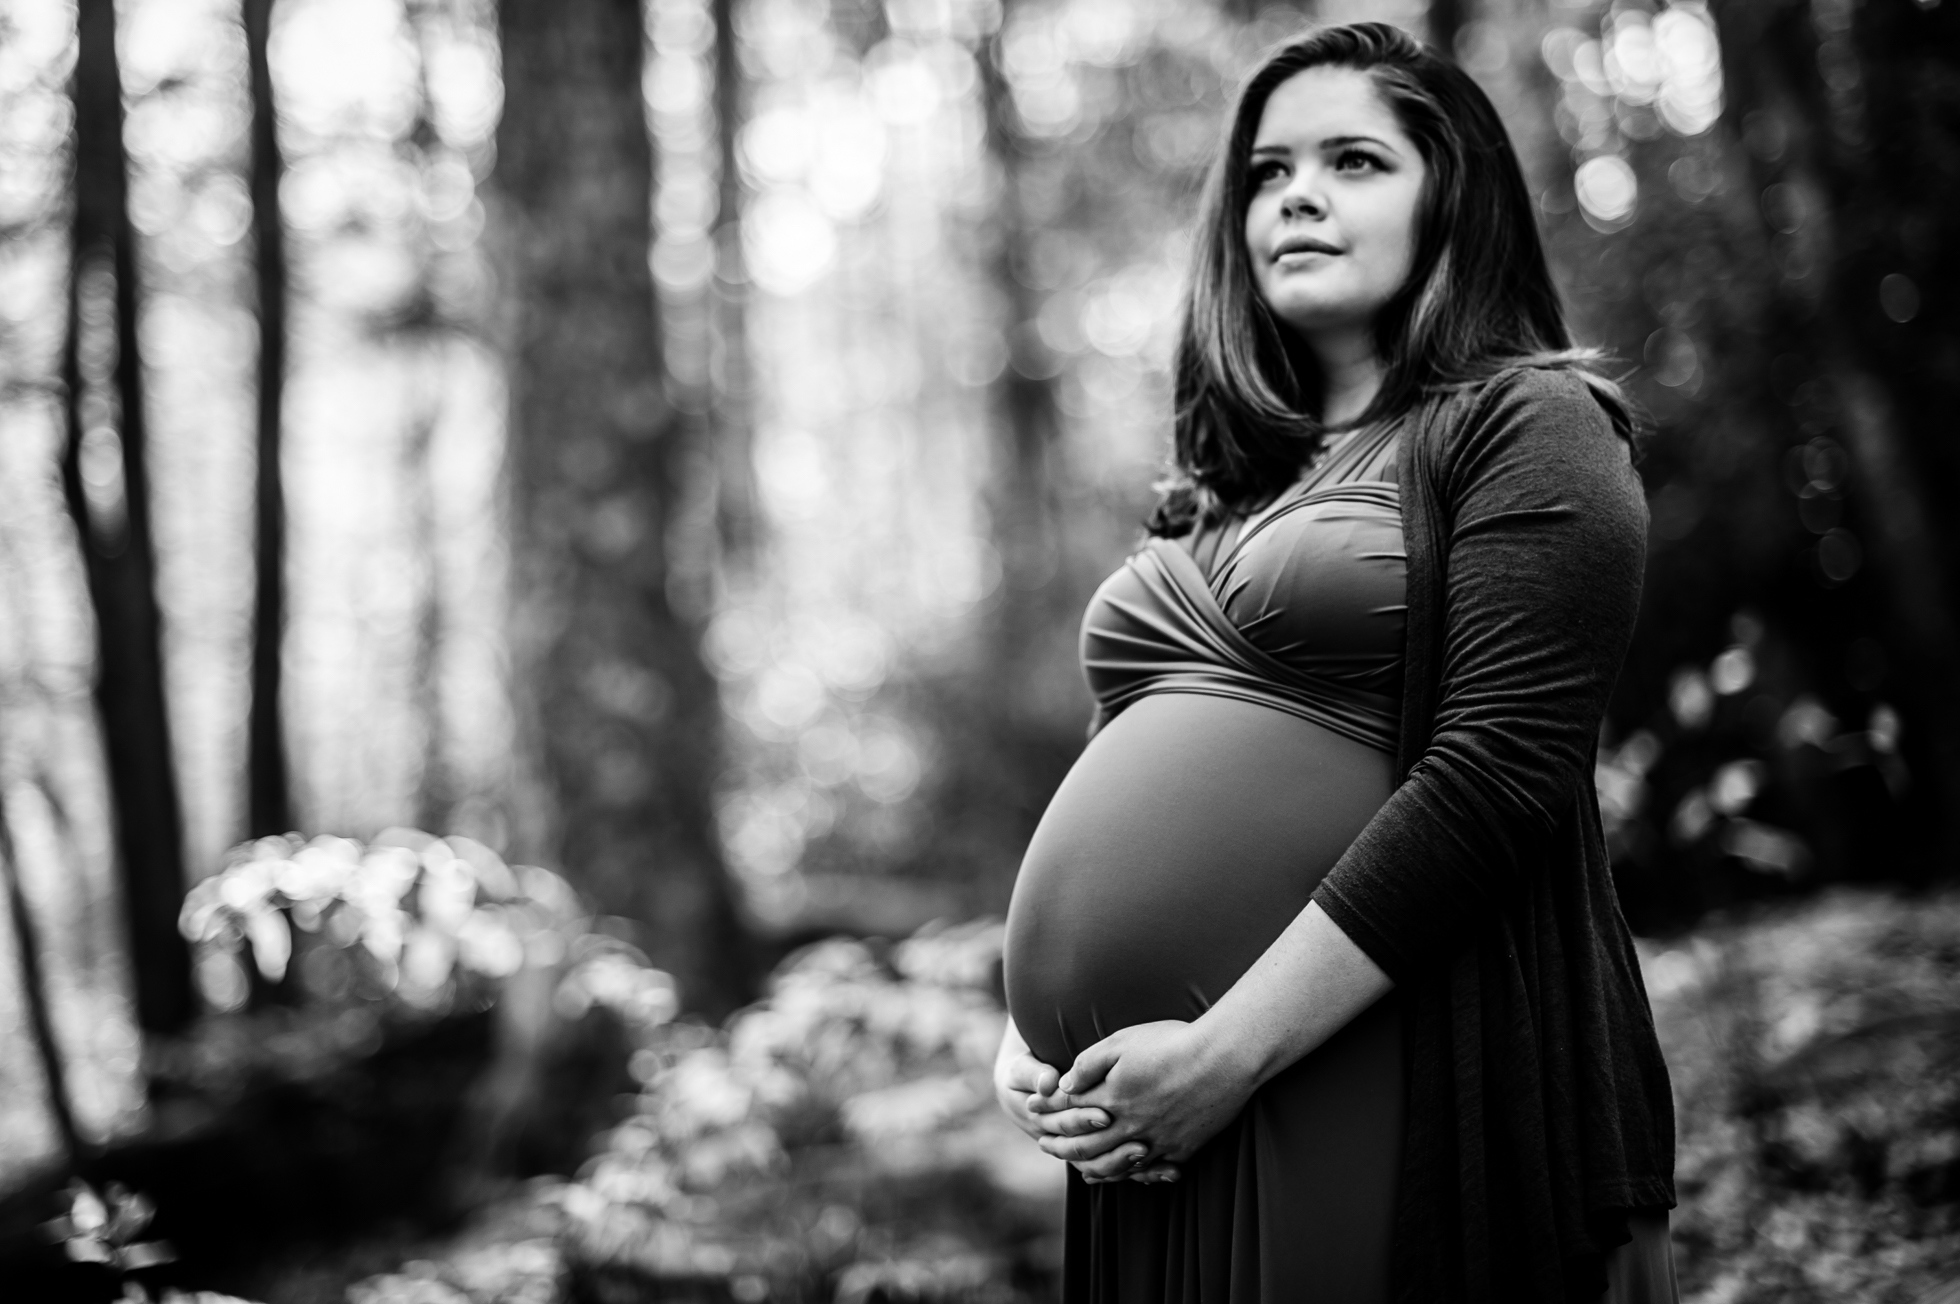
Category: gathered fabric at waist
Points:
column 1156, row 627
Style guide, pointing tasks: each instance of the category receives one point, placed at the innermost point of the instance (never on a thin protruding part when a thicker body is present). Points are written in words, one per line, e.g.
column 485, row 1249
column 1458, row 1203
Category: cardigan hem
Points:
column 1361, row 930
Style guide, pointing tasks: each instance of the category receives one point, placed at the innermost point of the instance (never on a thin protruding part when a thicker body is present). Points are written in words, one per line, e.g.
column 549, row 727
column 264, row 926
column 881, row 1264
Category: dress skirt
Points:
column 1292, row 1201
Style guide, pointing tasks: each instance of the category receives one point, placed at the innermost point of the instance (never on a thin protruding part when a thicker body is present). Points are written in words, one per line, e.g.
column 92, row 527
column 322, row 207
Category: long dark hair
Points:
column 1479, row 297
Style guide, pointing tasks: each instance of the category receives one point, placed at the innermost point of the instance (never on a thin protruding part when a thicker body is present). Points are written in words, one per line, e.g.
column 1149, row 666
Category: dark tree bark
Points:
column 104, row 477
column 737, row 518
column 1445, row 20
column 269, row 799
column 1849, row 108
column 622, row 715
column 1016, row 746
column 425, row 331
column 435, row 797
column 34, row 990
column 1027, row 415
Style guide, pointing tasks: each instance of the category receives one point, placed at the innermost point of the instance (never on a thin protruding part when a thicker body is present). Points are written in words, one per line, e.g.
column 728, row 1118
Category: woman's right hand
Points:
column 1021, row 1082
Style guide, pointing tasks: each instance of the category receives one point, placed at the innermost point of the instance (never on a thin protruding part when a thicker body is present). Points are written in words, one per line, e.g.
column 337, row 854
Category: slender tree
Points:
column 735, row 506
column 621, row 713
column 107, row 488
column 269, row 801
column 1446, row 19
column 423, row 330
column 1027, row 414
column 34, row 990
column 1016, row 746
column 435, row 787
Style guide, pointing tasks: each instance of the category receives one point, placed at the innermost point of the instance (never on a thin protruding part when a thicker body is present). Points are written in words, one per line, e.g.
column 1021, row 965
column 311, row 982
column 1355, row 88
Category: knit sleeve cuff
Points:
column 1363, row 932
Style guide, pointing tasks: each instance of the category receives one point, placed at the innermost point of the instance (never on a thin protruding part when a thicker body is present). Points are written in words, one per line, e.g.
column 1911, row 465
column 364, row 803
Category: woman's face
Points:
column 1335, row 184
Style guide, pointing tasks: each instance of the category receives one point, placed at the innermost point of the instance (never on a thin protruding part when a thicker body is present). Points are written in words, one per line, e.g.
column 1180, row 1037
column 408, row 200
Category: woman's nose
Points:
column 1302, row 199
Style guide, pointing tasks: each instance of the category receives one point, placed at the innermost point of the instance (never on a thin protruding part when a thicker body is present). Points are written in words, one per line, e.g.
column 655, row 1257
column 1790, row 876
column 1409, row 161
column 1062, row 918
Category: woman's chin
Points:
column 1318, row 316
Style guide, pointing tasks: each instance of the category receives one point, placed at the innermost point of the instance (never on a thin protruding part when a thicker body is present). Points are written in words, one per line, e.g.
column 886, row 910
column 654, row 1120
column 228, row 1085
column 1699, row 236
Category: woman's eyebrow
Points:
column 1270, row 149
column 1341, row 142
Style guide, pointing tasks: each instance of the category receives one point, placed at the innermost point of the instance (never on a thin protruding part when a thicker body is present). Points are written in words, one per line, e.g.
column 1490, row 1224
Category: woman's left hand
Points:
column 1166, row 1084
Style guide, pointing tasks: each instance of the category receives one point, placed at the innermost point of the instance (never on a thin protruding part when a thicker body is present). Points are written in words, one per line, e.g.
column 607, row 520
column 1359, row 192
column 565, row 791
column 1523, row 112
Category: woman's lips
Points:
column 1289, row 248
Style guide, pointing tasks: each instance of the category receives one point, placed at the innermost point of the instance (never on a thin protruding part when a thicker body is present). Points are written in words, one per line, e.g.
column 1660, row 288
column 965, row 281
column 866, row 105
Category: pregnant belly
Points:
column 1187, row 836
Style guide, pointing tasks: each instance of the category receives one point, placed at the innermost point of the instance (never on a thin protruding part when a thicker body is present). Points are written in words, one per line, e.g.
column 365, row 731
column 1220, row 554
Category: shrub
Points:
column 1815, row 1051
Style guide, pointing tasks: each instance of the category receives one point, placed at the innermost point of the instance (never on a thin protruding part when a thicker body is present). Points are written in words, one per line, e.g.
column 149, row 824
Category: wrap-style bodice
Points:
column 1248, row 681
column 1302, row 610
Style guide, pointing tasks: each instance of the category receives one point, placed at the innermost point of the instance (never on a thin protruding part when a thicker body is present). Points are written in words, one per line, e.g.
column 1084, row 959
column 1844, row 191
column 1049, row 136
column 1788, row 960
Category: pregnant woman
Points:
column 1315, row 970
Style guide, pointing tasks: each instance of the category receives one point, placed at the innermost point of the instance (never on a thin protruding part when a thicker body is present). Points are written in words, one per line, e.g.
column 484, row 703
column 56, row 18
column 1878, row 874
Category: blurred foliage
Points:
column 1815, row 1050
column 104, row 1228
column 522, row 1272
column 838, row 1137
column 1739, row 218
column 837, row 1140
column 311, row 953
column 396, row 1029
column 407, row 918
column 1741, row 783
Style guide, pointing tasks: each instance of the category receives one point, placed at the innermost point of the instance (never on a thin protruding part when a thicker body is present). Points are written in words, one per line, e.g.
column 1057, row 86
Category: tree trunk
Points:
column 1027, row 416
column 1445, row 20
column 736, row 514
column 621, row 715
column 104, row 477
column 425, row 333
column 435, row 800
column 269, row 801
column 1020, row 744
column 34, row 992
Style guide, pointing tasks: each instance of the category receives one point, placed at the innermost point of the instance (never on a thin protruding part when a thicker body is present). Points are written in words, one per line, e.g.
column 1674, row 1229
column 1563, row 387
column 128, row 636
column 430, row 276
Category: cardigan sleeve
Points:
column 1542, row 530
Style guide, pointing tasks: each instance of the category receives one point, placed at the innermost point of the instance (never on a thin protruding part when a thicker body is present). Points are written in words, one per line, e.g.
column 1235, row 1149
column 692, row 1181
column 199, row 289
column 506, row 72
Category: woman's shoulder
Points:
column 1529, row 434
column 1527, row 409
column 1555, row 394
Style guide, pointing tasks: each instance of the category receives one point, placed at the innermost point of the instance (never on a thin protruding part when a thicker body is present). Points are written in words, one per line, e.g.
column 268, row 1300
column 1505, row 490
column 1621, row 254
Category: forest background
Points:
column 673, row 446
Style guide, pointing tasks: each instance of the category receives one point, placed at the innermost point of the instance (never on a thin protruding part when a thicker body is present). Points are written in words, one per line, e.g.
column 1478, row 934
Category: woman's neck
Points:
column 1350, row 370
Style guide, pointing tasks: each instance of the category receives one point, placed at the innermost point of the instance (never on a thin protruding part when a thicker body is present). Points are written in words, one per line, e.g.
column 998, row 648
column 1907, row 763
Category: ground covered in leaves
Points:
column 1816, row 1059
column 837, row 1140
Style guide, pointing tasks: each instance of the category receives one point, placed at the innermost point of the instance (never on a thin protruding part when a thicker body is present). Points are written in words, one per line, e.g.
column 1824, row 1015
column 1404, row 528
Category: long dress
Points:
column 1248, row 682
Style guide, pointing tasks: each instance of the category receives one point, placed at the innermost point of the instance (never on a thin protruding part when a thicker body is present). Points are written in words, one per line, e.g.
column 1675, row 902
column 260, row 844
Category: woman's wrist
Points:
column 1231, row 1051
column 1303, row 990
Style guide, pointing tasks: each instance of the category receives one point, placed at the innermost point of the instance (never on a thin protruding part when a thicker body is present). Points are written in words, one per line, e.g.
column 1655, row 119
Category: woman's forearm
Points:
column 1306, row 987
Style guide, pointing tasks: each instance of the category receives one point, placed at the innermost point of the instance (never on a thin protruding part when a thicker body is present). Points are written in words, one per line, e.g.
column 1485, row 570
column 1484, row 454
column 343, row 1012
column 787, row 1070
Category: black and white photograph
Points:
column 980, row 651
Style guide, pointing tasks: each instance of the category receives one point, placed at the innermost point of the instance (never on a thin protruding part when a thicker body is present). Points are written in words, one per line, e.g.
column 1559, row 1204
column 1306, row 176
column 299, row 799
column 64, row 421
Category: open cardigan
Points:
column 1539, row 1110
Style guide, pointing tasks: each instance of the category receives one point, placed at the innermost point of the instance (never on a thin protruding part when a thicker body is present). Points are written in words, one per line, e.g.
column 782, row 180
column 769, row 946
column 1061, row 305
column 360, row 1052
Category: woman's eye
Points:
column 1266, row 171
column 1355, row 160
